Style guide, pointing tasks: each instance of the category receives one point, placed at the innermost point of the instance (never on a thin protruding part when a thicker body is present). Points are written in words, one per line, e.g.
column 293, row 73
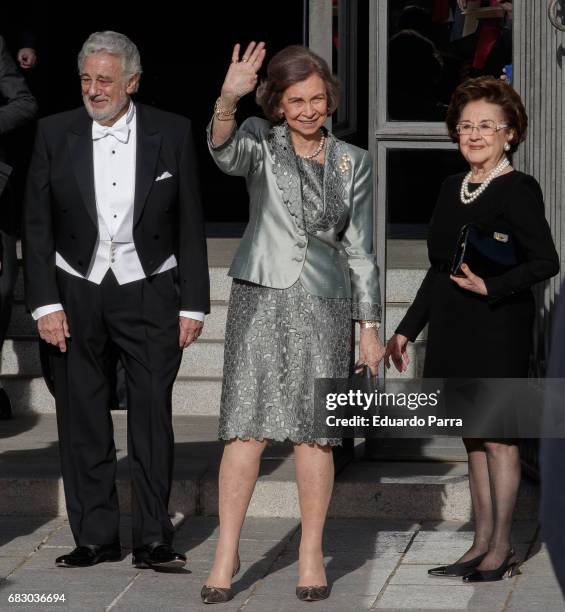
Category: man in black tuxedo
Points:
column 115, row 260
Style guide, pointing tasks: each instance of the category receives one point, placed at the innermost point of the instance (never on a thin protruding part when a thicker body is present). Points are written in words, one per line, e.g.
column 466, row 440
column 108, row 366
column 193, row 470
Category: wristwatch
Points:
column 367, row 324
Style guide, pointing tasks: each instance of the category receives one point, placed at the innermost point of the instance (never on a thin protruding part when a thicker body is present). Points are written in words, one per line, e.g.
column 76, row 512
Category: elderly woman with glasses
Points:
column 482, row 327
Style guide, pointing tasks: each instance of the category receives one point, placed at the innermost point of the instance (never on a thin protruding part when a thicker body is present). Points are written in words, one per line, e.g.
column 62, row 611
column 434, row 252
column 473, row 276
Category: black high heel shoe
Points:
column 213, row 595
column 504, row 570
column 456, row 570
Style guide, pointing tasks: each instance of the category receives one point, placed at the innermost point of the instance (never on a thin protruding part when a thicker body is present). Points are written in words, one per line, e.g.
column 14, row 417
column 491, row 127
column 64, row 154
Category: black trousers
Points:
column 139, row 320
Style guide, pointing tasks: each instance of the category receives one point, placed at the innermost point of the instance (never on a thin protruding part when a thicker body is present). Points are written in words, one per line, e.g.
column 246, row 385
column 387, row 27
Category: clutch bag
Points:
column 488, row 251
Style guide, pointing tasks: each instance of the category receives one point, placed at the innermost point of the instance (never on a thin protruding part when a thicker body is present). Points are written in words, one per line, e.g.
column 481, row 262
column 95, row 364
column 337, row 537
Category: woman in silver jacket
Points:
column 303, row 270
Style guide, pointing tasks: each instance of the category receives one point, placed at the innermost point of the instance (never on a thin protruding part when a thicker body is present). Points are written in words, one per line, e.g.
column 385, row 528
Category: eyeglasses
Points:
column 485, row 128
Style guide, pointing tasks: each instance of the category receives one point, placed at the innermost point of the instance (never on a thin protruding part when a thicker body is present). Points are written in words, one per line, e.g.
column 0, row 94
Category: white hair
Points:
column 115, row 44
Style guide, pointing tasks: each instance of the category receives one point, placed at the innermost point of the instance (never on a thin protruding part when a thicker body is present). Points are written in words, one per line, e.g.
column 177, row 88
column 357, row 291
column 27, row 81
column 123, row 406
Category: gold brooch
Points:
column 345, row 163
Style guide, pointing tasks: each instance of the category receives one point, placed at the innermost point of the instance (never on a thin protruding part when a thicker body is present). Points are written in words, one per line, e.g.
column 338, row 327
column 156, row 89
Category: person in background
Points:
column 17, row 108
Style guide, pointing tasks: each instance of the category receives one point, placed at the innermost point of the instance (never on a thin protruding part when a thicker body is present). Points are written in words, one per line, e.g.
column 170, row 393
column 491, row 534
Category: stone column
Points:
column 538, row 77
column 320, row 28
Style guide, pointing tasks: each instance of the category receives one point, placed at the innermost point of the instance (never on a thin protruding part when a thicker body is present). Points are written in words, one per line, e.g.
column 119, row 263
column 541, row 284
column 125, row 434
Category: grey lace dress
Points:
column 278, row 341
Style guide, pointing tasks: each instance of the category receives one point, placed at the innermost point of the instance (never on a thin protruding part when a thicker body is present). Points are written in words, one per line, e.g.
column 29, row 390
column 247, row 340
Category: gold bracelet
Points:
column 370, row 324
column 221, row 113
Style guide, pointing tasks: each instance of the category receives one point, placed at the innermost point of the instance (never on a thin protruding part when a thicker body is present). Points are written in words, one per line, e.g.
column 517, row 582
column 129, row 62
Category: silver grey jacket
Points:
column 337, row 259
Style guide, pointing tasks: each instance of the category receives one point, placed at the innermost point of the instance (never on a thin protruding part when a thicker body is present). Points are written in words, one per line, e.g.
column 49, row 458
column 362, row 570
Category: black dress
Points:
column 471, row 335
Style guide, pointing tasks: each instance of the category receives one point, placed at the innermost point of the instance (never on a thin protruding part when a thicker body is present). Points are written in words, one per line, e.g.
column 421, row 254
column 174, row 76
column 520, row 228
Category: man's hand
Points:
column 27, row 58
column 53, row 328
column 190, row 330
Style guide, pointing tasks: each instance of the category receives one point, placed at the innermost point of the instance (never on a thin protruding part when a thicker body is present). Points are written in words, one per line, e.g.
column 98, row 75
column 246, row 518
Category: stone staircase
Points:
column 412, row 479
column 197, row 390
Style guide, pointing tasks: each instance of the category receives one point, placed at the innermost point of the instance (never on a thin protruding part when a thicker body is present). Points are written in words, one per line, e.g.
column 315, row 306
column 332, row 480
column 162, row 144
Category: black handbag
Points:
column 364, row 380
column 487, row 250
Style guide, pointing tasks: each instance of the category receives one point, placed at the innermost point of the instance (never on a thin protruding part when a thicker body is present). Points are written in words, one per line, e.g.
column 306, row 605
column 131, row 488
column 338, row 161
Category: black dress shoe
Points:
column 158, row 556
column 456, row 569
column 5, row 406
column 504, row 570
column 85, row 556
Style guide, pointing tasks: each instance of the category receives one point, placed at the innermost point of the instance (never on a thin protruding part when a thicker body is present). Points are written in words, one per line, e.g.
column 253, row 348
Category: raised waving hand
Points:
column 240, row 80
column 241, row 77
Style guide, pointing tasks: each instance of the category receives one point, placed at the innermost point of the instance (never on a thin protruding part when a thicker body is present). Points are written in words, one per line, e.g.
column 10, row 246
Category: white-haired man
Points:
column 115, row 261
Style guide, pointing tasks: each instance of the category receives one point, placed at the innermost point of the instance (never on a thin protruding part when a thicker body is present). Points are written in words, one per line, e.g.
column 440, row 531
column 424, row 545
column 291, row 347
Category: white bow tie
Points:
column 120, row 133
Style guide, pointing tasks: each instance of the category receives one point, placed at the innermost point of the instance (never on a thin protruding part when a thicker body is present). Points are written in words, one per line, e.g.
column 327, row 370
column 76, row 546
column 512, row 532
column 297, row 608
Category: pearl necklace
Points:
column 470, row 196
column 318, row 150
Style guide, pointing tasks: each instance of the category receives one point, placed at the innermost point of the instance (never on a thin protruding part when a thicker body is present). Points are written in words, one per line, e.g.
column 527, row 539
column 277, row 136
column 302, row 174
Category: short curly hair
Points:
column 289, row 66
column 494, row 91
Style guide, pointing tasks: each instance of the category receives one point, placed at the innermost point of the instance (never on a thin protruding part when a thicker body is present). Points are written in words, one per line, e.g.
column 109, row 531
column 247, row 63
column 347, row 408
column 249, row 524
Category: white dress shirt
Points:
column 114, row 151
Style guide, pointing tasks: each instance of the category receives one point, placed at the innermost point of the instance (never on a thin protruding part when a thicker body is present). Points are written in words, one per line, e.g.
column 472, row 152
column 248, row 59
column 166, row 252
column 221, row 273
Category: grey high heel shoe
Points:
column 312, row 593
column 213, row 595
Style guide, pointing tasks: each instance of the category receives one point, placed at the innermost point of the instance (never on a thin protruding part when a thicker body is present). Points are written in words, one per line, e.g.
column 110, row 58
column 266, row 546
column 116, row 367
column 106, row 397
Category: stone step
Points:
column 414, row 490
column 20, row 357
column 196, row 391
column 194, row 396
column 440, row 448
column 22, row 324
column 407, row 263
column 402, row 284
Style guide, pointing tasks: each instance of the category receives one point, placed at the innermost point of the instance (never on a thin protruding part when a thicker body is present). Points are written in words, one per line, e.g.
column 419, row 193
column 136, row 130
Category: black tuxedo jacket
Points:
column 60, row 205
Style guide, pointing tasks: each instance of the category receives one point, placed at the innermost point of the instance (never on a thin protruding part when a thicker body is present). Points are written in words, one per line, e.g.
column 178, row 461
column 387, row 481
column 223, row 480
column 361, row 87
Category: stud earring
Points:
column 506, row 147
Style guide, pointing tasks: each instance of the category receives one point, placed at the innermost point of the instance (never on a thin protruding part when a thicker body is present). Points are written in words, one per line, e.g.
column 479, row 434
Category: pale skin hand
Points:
column 54, row 329
column 371, row 350
column 189, row 331
column 507, row 6
column 27, row 58
column 470, row 282
column 240, row 80
column 396, row 350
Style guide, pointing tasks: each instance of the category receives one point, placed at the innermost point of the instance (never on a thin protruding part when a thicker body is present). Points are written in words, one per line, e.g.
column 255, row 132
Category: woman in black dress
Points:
column 483, row 327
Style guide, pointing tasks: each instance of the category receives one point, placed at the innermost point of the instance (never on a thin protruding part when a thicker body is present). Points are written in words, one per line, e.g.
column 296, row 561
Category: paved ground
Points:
column 372, row 565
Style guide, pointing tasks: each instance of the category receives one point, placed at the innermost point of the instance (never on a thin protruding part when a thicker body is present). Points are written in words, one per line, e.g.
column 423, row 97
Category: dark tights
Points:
column 494, row 478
